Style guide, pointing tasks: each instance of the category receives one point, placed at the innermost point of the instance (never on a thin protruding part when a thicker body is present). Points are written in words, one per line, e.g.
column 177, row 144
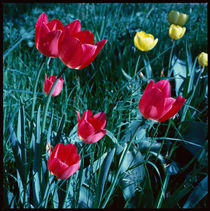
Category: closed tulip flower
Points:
column 156, row 103
column 177, row 18
column 47, row 35
column 144, row 41
column 49, row 82
column 203, row 59
column 76, row 48
column 63, row 161
column 176, row 32
column 90, row 128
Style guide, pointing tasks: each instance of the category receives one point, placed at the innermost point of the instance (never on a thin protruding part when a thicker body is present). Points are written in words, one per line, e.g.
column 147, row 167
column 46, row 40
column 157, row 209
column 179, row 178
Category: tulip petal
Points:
column 40, row 34
column 152, row 100
column 88, row 52
column 168, row 105
column 54, row 25
column 71, row 170
column 95, row 137
column 86, row 115
column 174, row 109
column 58, row 88
column 71, row 154
column 70, row 50
column 149, row 86
column 78, row 116
column 85, row 129
column 85, row 37
column 73, row 27
column 98, row 121
column 99, row 45
column 47, row 85
column 164, row 86
column 42, row 19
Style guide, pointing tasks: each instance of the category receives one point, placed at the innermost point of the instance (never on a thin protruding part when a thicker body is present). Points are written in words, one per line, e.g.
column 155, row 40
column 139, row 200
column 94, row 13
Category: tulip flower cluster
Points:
column 74, row 47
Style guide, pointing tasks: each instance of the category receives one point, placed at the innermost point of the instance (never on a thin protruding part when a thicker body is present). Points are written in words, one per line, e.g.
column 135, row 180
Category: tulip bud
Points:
column 203, row 59
column 176, row 32
column 144, row 41
column 173, row 17
column 177, row 18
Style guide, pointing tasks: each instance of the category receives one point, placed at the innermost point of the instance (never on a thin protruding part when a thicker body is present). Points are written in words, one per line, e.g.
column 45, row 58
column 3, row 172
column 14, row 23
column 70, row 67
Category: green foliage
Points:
column 138, row 164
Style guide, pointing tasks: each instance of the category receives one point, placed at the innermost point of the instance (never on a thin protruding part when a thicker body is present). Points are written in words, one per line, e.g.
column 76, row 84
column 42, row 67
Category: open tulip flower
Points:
column 144, row 41
column 90, row 128
column 49, row 82
column 63, row 161
column 176, row 32
column 203, row 59
column 76, row 48
column 177, row 18
column 47, row 35
column 156, row 103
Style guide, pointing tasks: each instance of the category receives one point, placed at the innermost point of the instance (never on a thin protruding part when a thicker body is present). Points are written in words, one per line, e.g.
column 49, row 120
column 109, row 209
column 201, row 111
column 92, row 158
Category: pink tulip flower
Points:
column 48, row 85
column 156, row 103
column 90, row 128
column 63, row 161
column 76, row 48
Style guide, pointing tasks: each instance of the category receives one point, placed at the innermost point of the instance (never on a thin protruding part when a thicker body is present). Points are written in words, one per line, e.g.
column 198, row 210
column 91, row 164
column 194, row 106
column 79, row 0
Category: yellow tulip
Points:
column 177, row 18
column 203, row 59
column 176, row 32
column 144, row 41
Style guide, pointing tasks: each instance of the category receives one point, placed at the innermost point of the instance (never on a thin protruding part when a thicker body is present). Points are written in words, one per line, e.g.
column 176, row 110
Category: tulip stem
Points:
column 49, row 97
column 35, row 87
column 170, row 59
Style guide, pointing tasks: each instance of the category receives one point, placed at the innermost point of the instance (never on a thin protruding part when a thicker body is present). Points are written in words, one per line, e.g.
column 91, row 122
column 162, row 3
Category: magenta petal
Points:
column 42, row 19
column 71, row 170
column 174, row 109
column 95, row 137
column 152, row 103
column 58, row 88
column 85, row 129
column 99, row 45
column 85, row 37
column 70, row 50
column 149, row 86
column 98, row 121
column 88, row 52
column 73, row 27
column 55, row 25
column 47, row 85
column 78, row 116
column 164, row 86
column 86, row 115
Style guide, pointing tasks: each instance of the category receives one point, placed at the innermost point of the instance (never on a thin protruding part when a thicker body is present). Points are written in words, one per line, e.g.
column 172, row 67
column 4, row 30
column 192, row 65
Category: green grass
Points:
column 165, row 165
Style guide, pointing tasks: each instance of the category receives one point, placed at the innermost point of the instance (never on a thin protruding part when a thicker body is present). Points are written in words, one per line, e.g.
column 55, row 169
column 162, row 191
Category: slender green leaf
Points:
column 103, row 176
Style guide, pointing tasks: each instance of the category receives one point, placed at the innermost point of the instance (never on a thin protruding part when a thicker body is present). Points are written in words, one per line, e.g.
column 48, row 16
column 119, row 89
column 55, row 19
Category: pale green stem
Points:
column 49, row 97
column 35, row 87
column 170, row 59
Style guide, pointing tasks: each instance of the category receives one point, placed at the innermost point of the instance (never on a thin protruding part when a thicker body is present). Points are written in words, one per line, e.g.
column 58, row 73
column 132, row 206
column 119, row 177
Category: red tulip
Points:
column 47, row 35
column 63, row 161
column 90, row 128
column 156, row 103
column 76, row 48
column 49, row 82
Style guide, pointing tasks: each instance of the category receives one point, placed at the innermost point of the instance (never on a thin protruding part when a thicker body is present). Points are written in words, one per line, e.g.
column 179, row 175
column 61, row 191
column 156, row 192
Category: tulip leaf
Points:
column 196, row 133
column 132, row 177
column 200, row 191
column 128, row 77
column 119, row 148
column 50, row 130
column 36, row 161
column 103, row 176
column 179, row 69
